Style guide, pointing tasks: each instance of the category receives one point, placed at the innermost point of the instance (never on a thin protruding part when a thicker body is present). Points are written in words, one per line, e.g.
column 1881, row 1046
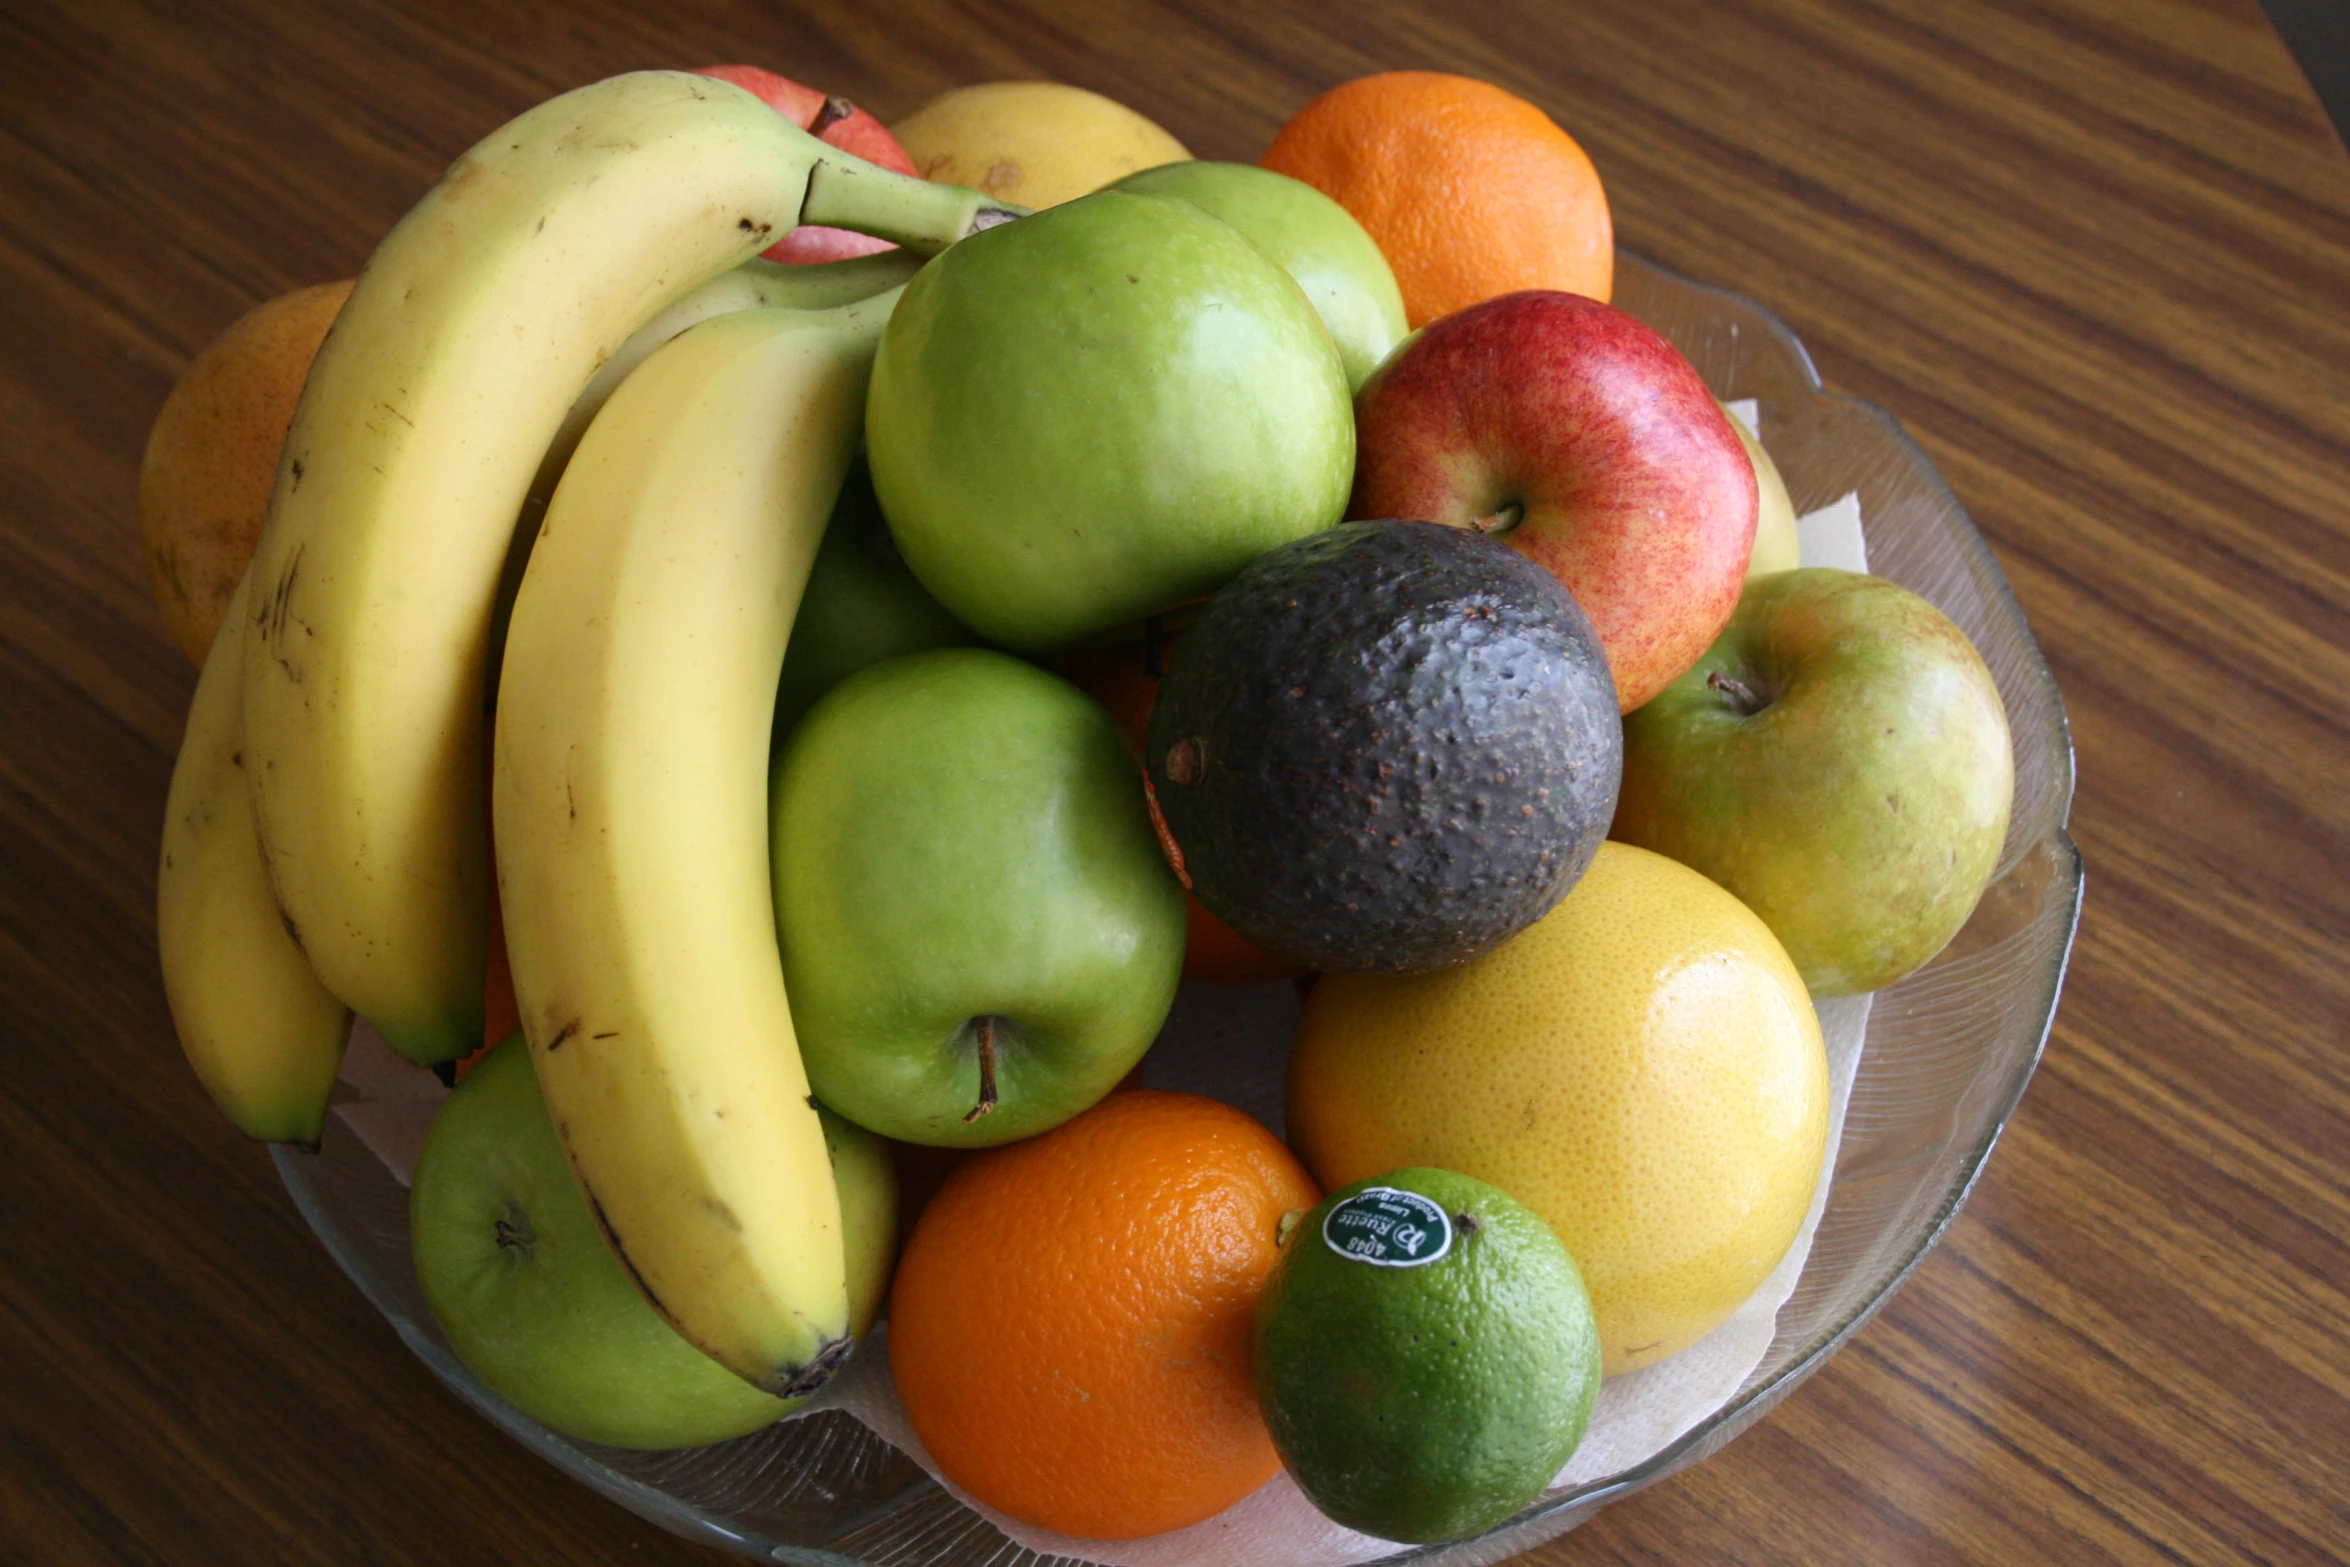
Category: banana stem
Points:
column 846, row 192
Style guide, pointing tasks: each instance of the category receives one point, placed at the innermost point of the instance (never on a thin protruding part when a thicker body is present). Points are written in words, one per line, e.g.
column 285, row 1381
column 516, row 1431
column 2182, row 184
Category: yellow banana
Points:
column 631, row 805
column 264, row 1036
column 752, row 286
column 755, row 285
column 474, row 327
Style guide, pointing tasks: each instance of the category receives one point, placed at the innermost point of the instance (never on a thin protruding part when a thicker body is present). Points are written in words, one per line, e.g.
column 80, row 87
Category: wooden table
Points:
column 2094, row 253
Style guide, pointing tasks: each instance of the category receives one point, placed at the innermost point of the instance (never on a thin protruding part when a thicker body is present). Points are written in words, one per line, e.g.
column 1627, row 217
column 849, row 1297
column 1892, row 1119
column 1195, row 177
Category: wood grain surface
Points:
column 2095, row 254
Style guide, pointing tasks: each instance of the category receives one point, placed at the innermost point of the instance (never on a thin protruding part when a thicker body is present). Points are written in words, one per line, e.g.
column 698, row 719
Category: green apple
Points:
column 1776, row 544
column 1839, row 759
column 862, row 605
column 1090, row 414
column 1316, row 241
column 980, row 936
column 532, row 1299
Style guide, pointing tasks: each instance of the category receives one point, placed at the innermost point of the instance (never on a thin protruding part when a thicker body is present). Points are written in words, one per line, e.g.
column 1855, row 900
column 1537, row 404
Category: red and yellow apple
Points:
column 1583, row 438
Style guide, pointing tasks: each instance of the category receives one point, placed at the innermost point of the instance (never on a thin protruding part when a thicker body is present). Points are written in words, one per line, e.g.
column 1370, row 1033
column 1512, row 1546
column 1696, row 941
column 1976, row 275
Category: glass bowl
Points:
column 1948, row 1053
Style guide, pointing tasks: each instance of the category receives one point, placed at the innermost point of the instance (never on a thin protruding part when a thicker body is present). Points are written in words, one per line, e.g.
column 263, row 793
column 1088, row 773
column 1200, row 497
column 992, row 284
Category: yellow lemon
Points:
column 1035, row 143
column 1777, row 546
column 1641, row 1067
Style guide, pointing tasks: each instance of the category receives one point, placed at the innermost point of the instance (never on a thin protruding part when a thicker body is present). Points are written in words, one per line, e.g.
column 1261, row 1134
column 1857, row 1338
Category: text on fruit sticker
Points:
column 1388, row 1229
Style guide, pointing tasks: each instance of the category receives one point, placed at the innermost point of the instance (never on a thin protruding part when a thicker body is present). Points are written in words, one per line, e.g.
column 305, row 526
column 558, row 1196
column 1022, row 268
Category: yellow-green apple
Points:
column 980, row 936
column 1583, row 438
column 829, row 119
column 1839, row 759
column 1107, row 408
column 1317, row 241
column 534, row 1301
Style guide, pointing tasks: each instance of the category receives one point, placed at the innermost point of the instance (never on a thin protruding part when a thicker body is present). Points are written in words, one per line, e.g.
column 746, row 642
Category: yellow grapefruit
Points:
column 1641, row 1067
column 1036, row 143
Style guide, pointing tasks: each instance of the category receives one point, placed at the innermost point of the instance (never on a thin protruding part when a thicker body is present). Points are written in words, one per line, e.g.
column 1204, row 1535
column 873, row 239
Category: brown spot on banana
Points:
column 276, row 613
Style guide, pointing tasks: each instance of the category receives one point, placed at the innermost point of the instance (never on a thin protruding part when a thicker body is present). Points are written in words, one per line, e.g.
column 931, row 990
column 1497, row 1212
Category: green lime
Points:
column 1425, row 1355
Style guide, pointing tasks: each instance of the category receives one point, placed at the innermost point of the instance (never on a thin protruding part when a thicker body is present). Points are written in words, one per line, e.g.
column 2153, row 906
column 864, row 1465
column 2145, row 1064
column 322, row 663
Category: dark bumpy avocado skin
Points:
column 1398, row 746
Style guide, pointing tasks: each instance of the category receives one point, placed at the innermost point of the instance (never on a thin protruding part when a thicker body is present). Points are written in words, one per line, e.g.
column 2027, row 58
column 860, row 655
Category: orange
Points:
column 1470, row 192
column 1071, row 1320
column 1216, row 954
column 922, row 1168
column 211, row 458
column 501, row 1013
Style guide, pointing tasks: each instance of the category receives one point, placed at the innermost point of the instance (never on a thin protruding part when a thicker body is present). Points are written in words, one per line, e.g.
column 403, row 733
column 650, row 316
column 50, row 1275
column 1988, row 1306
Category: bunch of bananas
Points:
column 327, row 848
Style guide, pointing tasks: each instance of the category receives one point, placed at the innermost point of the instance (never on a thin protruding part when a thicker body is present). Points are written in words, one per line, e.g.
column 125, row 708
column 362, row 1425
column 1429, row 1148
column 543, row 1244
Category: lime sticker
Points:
column 1388, row 1229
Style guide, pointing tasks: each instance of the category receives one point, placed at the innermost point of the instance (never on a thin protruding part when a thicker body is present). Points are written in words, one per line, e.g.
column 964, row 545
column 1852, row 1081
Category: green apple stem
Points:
column 846, row 192
column 987, row 1097
column 1744, row 699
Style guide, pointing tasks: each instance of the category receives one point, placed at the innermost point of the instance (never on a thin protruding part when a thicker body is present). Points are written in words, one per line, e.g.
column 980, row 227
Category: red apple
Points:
column 833, row 120
column 1584, row 439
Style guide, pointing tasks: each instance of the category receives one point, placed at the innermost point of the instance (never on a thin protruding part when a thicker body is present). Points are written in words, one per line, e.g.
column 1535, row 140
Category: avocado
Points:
column 1386, row 748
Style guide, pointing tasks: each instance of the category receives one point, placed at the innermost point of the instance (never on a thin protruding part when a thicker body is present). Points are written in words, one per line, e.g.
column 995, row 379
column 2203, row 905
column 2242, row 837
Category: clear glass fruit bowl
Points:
column 1948, row 1053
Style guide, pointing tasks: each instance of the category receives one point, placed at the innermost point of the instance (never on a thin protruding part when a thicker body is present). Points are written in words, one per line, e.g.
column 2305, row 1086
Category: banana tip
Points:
column 805, row 1380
